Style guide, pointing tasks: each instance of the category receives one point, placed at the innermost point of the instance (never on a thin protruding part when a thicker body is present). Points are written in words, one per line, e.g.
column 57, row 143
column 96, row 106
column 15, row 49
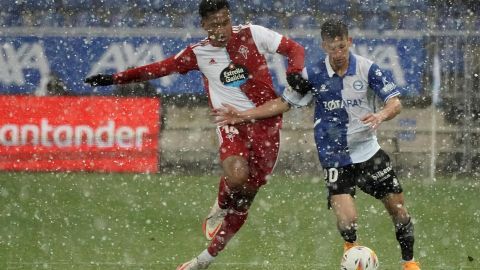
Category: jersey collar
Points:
column 352, row 63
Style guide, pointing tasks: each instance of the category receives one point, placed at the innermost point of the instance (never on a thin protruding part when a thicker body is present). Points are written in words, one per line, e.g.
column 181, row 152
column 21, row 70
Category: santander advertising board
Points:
column 104, row 134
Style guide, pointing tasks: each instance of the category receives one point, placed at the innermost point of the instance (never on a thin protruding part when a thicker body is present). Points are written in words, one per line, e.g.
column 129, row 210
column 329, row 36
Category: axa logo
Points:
column 120, row 56
column 14, row 61
column 387, row 57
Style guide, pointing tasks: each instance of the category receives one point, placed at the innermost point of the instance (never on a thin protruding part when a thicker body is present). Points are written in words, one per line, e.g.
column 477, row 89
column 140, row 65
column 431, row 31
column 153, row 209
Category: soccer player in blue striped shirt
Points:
column 343, row 86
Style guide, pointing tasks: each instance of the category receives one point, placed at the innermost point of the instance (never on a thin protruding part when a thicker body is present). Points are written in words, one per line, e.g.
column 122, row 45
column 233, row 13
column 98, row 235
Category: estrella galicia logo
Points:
column 234, row 75
column 358, row 85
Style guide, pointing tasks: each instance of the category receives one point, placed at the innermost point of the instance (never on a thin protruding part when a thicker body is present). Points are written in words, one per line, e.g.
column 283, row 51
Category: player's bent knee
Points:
column 237, row 171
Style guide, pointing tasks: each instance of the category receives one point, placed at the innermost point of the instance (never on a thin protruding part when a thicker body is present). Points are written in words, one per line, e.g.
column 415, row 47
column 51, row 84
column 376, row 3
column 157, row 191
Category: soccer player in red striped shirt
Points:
column 235, row 72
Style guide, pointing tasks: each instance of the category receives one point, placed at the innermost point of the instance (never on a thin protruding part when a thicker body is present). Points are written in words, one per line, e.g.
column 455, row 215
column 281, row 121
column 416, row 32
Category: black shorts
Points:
column 375, row 177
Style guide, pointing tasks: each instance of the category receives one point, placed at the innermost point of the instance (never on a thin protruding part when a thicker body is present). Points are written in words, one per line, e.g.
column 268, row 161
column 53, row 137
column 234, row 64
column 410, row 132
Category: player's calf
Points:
column 213, row 222
column 406, row 239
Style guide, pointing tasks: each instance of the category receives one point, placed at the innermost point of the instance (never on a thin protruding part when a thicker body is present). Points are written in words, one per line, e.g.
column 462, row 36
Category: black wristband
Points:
column 100, row 80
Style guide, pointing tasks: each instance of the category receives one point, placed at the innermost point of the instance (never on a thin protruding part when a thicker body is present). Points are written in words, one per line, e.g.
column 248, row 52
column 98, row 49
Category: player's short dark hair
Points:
column 209, row 6
column 333, row 28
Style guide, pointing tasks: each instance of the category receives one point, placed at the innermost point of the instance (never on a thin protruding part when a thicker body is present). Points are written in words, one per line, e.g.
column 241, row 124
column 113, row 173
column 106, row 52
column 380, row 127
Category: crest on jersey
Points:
column 388, row 86
column 243, row 50
column 234, row 75
column 358, row 85
column 323, row 88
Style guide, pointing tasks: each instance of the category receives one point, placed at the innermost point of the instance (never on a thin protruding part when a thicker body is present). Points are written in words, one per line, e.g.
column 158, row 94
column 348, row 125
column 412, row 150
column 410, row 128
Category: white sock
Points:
column 205, row 257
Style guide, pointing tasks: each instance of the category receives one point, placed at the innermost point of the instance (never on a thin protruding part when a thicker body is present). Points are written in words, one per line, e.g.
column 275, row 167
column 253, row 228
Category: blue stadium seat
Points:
column 40, row 4
column 300, row 6
column 183, row 6
column 159, row 21
column 52, row 19
column 238, row 17
column 149, row 4
column 10, row 20
column 373, row 6
column 333, row 6
column 377, row 22
column 266, row 6
column 268, row 21
column 451, row 23
column 78, row 4
column 191, row 21
column 10, row 6
column 114, row 4
column 86, row 19
column 123, row 20
column 410, row 5
column 303, row 22
column 412, row 22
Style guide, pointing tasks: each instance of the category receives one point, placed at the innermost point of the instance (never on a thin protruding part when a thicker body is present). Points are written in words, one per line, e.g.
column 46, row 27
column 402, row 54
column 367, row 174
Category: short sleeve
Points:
column 185, row 61
column 267, row 40
column 382, row 83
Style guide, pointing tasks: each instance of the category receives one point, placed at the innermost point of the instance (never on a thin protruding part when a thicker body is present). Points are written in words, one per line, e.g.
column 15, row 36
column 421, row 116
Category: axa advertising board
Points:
column 79, row 134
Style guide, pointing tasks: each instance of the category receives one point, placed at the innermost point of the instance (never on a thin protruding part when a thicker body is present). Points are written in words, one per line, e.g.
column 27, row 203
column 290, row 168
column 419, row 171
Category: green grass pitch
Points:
column 92, row 221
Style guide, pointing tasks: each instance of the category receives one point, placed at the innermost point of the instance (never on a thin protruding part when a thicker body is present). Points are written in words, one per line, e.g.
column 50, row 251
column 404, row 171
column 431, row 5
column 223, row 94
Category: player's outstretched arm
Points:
column 100, row 80
column 228, row 115
column 179, row 63
column 392, row 108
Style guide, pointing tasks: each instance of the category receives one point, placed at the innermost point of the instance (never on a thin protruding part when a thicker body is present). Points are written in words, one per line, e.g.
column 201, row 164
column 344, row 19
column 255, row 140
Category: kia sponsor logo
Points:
column 47, row 135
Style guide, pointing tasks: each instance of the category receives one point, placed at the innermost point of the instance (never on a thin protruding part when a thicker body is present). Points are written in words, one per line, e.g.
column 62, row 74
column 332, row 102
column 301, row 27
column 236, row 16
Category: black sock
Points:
column 406, row 239
column 349, row 235
column 242, row 200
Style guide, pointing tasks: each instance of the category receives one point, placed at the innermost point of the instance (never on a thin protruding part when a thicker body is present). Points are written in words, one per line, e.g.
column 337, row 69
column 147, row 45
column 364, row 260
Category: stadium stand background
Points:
column 452, row 28
column 285, row 14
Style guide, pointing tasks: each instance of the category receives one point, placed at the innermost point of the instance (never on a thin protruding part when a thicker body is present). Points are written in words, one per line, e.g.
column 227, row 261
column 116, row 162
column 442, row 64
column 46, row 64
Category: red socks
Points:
column 232, row 223
column 224, row 196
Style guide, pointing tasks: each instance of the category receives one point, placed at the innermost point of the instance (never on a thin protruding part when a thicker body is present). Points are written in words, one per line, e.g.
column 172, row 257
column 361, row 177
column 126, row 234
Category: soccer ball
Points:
column 359, row 258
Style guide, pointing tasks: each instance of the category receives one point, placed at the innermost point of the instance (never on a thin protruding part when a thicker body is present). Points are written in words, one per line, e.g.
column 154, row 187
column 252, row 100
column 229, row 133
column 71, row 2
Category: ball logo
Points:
column 234, row 75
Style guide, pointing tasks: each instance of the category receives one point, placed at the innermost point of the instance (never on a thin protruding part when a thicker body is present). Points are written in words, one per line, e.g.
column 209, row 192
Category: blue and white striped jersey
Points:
column 340, row 102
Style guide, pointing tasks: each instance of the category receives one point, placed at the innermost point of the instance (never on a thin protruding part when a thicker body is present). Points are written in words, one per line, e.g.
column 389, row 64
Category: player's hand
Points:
column 298, row 83
column 100, row 80
column 373, row 120
column 227, row 115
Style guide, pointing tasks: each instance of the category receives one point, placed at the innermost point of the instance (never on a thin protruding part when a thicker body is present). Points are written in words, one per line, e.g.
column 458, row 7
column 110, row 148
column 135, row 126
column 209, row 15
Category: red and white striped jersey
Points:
column 237, row 74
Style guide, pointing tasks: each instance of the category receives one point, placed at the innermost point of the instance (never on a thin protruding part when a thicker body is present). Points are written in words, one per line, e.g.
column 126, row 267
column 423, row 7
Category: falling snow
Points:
column 122, row 177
